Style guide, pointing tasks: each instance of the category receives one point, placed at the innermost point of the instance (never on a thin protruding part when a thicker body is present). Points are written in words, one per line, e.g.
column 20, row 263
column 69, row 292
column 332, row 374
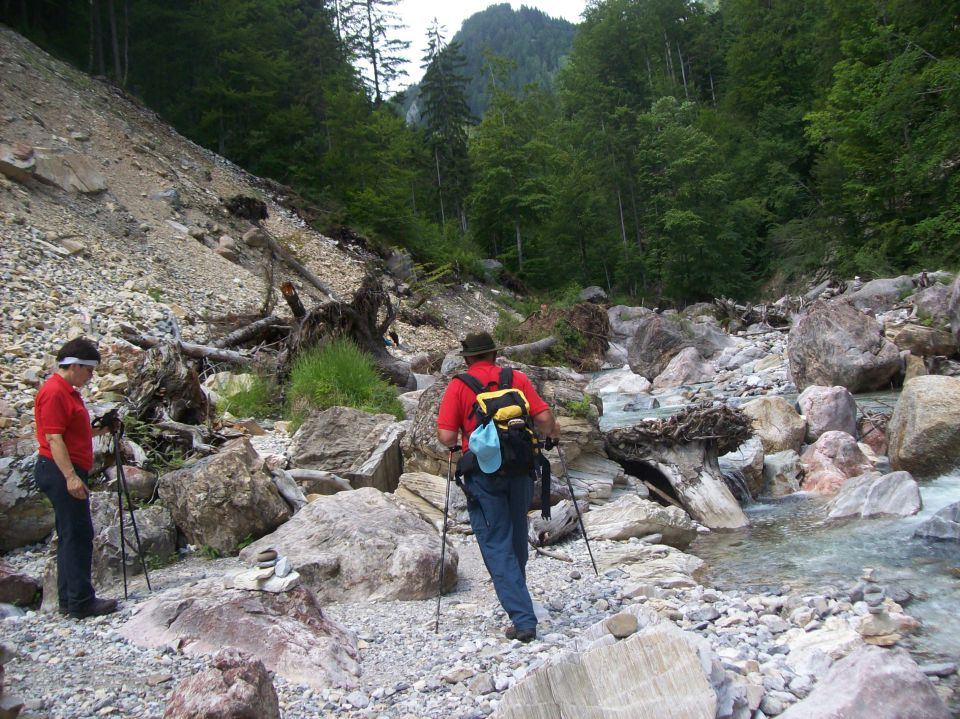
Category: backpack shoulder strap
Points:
column 472, row 382
column 506, row 378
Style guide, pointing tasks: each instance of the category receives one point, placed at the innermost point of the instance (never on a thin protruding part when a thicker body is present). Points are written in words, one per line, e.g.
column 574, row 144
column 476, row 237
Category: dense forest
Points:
column 682, row 151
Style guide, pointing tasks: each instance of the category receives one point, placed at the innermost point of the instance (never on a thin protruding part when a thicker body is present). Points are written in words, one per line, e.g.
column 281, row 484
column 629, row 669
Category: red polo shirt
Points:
column 59, row 409
column 458, row 399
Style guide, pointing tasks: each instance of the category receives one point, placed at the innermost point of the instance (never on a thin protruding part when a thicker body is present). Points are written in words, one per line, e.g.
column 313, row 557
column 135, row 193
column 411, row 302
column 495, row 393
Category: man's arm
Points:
column 61, row 458
column 546, row 425
column 448, row 437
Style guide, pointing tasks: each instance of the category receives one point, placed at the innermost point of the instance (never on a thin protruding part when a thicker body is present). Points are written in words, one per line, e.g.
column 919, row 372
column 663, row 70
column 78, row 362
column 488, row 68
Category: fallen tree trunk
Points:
column 529, row 348
column 563, row 521
column 196, row 351
column 250, row 332
column 286, row 257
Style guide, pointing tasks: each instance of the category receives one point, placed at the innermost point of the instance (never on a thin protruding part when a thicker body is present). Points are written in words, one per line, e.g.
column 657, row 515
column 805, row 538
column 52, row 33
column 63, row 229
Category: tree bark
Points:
column 193, row 350
column 530, row 348
column 114, row 42
column 294, row 265
column 250, row 331
column 563, row 521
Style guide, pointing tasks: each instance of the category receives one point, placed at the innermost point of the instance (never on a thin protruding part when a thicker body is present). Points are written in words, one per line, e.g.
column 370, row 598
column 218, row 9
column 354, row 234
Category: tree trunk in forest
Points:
column 683, row 72
column 623, row 226
column 114, row 41
column 377, row 99
column 436, row 160
column 126, row 42
column 516, row 228
column 97, row 37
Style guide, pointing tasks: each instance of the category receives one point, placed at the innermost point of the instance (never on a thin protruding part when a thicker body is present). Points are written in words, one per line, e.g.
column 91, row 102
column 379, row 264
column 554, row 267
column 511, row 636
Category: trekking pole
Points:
column 443, row 541
column 124, row 490
column 563, row 463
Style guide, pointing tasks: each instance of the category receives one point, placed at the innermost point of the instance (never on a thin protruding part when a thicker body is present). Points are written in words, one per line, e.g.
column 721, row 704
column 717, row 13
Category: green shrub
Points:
column 339, row 374
column 581, row 408
column 255, row 396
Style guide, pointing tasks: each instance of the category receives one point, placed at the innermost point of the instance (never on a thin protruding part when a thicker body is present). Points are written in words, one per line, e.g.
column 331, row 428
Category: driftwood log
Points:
column 532, row 348
column 563, row 521
column 775, row 315
column 190, row 349
column 684, row 448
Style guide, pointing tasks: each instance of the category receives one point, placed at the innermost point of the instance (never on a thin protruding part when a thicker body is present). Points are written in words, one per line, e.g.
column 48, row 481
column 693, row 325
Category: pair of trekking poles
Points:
column 548, row 445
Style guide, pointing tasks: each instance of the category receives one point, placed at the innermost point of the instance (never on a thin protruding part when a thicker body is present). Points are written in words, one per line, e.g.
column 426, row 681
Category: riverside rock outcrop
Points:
column 831, row 461
column 632, row 516
column 892, row 495
column 26, row 515
column 836, row 344
column 400, row 557
column 361, row 447
column 827, row 409
column 287, row 631
column 777, row 423
column 636, row 676
column 224, row 499
column 924, row 432
column 872, row 683
column 234, row 686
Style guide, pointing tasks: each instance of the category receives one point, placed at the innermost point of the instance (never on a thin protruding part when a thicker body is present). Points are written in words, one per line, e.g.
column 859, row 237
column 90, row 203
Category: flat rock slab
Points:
column 362, row 545
column 653, row 673
column 288, row 632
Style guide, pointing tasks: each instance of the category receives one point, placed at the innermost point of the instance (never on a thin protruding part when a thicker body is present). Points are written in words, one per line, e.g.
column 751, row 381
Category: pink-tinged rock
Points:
column 831, row 461
column 873, row 434
column 235, row 686
column 287, row 631
column 828, row 409
column 872, row 683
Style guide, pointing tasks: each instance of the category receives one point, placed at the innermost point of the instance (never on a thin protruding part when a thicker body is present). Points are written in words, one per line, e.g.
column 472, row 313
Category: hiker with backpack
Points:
column 495, row 414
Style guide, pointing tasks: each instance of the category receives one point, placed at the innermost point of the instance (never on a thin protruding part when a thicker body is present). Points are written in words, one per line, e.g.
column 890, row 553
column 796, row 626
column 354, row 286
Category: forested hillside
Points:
column 526, row 46
column 681, row 153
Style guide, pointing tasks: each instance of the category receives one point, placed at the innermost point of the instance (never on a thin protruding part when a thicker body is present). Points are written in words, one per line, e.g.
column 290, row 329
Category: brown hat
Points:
column 477, row 343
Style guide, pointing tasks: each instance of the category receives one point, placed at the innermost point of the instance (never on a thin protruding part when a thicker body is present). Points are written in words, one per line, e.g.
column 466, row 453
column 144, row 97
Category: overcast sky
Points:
column 418, row 15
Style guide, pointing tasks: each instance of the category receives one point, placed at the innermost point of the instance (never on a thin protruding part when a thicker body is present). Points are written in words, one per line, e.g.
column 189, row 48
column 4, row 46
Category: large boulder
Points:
column 872, row 683
column 777, row 423
column 881, row 294
column 747, row 459
column 656, row 672
column 632, row 516
column 923, row 434
column 155, row 528
column 782, row 473
column 361, row 447
column 953, row 310
column 26, row 515
column 70, row 171
column 828, row 409
column 687, row 367
column 892, row 495
column 831, row 461
column 235, row 686
column 923, row 341
column 658, row 338
column 618, row 381
column 836, row 344
column 427, row 495
column 400, row 555
column 943, row 526
column 932, row 305
column 651, row 565
column 287, row 631
column 224, row 499
column 624, row 320
column 593, row 294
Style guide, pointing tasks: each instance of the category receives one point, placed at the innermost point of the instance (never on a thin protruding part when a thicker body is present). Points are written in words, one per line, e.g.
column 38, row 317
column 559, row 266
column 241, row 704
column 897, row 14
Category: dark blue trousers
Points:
column 75, row 530
column 498, row 514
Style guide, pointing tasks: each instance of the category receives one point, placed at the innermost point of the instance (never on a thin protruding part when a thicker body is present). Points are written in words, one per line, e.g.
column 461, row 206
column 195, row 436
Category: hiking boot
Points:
column 97, row 608
column 522, row 635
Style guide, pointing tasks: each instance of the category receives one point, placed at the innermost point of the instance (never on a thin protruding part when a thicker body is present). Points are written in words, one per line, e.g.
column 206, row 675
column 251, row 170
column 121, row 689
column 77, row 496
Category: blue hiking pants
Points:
column 75, row 531
column 498, row 514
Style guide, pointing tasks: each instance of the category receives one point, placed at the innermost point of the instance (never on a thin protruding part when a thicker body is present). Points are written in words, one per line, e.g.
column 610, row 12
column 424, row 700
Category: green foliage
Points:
column 245, row 542
column 339, row 374
column 582, row 408
column 208, row 552
column 254, row 396
column 155, row 293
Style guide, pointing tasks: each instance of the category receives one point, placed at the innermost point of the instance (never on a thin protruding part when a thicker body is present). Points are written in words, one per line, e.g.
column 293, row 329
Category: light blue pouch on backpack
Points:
column 485, row 444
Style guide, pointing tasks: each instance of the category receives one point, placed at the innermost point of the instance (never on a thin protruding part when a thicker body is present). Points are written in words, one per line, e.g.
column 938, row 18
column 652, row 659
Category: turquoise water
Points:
column 789, row 542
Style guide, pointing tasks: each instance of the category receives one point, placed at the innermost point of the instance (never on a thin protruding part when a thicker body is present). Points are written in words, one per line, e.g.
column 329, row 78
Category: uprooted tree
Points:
column 685, row 448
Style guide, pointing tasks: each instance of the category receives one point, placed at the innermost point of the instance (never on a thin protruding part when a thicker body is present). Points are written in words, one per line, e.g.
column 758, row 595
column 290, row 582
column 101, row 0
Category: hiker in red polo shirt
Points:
column 497, row 502
column 66, row 458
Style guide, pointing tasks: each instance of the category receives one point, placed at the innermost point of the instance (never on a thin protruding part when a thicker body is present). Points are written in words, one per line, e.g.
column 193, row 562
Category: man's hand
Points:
column 76, row 488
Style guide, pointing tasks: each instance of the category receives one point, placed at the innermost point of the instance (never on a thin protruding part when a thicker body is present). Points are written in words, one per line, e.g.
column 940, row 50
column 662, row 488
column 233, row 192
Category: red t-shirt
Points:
column 458, row 399
column 59, row 409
